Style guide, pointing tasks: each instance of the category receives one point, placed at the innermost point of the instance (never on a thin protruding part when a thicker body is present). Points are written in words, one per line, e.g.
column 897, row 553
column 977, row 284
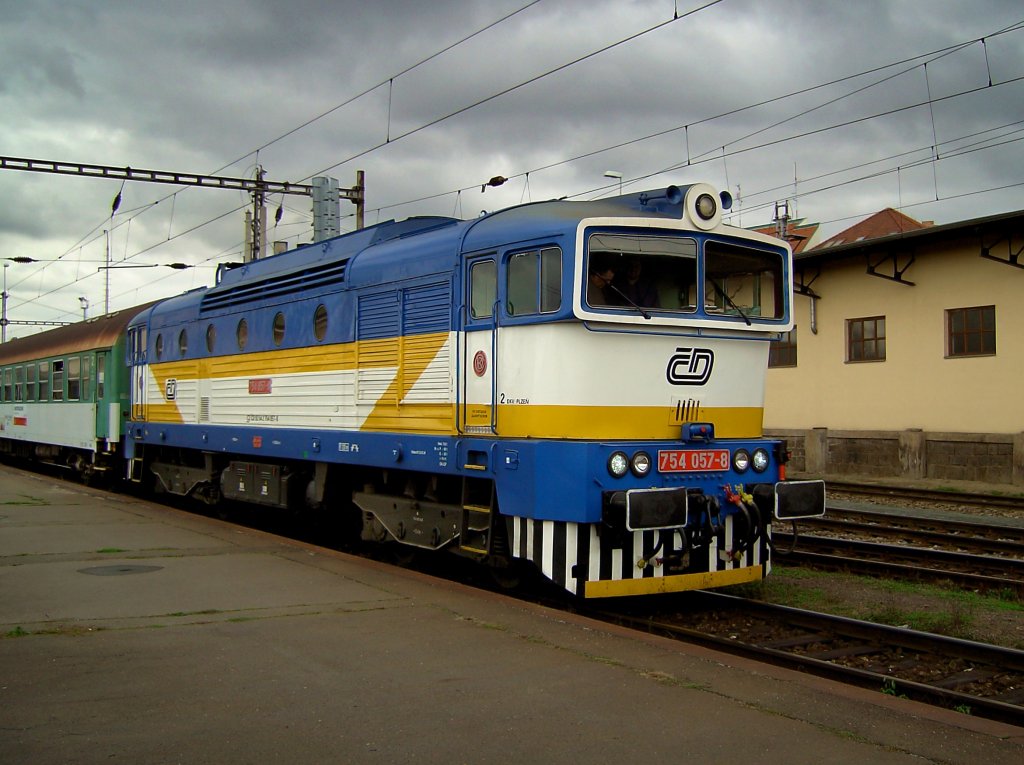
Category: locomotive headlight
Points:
column 618, row 464
column 741, row 460
column 760, row 460
column 640, row 464
column 706, row 206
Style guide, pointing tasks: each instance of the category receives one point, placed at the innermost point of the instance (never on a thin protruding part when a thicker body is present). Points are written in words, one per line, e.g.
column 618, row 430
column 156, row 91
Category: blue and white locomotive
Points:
column 579, row 385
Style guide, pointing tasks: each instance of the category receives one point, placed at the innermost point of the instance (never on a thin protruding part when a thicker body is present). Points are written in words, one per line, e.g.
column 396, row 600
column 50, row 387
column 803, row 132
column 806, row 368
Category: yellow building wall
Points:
column 916, row 386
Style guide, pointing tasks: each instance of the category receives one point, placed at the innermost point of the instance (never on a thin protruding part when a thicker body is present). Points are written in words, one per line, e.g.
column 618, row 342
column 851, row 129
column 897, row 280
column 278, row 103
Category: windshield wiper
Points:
column 728, row 300
column 627, row 299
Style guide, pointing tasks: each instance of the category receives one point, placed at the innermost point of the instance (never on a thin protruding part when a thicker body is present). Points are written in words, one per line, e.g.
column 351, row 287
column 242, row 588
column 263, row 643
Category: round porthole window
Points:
column 320, row 323
column 242, row 334
column 278, row 328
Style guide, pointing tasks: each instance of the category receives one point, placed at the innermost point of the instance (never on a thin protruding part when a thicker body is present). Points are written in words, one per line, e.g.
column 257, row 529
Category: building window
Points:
column 865, row 339
column 971, row 331
column 782, row 352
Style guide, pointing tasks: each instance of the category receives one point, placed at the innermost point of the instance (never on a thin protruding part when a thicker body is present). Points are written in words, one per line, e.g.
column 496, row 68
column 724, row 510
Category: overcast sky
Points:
column 198, row 87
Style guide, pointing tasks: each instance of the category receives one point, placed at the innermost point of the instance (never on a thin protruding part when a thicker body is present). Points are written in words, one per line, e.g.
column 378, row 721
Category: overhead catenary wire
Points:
column 85, row 240
column 622, row 41
column 723, row 155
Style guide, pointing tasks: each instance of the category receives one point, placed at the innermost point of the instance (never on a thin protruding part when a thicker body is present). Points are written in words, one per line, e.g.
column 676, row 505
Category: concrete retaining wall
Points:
column 913, row 454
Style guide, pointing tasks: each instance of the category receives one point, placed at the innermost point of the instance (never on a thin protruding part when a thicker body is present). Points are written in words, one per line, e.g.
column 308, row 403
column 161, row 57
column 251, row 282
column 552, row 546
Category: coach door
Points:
column 477, row 411
column 137, row 370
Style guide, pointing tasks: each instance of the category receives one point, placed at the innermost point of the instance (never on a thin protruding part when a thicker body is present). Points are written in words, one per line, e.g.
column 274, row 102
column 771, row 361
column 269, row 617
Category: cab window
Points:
column 534, row 282
column 483, row 289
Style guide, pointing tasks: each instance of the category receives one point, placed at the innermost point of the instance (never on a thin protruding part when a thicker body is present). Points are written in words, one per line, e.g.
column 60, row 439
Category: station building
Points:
column 907, row 359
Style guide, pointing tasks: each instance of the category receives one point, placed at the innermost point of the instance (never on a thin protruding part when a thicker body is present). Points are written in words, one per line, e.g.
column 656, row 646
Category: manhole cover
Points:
column 118, row 570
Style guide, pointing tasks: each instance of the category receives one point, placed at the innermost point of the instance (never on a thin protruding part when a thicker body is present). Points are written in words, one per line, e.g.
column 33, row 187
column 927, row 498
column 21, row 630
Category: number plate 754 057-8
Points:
column 693, row 460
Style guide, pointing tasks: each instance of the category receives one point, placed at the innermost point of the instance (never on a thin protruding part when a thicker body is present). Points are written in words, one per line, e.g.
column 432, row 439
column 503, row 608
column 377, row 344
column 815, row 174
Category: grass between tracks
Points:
column 990, row 618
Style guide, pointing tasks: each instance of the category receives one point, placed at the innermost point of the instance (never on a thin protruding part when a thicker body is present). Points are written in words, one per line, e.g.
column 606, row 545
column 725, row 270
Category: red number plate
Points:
column 693, row 460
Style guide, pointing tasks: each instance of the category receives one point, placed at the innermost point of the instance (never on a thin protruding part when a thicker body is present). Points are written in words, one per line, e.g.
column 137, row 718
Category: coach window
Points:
column 101, row 374
column 278, row 328
column 535, row 282
column 159, row 347
column 58, row 380
column 8, row 384
column 30, row 382
column 74, row 378
column 211, row 337
column 483, row 289
column 44, row 380
column 86, row 377
column 19, row 383
column 320, row 323
column 182, row 342
column 242, row 334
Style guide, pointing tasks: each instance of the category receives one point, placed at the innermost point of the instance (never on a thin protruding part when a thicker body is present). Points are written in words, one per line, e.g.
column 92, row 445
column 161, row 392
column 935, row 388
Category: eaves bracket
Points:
column 897, row 272
column 1012, row 257
column 801, row 286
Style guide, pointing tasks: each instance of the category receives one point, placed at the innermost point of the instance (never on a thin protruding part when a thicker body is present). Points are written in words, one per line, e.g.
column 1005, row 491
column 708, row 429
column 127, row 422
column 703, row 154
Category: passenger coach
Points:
column 574, row 384
column 64, row 395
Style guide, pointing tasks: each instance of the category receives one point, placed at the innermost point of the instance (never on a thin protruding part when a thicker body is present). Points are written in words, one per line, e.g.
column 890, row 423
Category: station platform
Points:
column 131, row 632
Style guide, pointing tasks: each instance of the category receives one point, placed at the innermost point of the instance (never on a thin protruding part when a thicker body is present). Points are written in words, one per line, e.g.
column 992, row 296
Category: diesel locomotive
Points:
column 576, row 386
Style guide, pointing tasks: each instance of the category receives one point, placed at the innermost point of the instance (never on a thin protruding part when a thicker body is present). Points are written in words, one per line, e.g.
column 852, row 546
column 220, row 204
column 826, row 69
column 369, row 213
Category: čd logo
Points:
column 690, row 366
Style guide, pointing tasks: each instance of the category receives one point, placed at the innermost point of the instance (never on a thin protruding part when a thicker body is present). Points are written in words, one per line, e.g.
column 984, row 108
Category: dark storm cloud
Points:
column 194, row 86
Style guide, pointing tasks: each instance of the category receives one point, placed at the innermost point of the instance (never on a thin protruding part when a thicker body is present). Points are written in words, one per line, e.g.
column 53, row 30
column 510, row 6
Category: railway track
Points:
column 981, row 679
column 974, row 678
column 968, row 499
column 973, row 555
column 987, row 537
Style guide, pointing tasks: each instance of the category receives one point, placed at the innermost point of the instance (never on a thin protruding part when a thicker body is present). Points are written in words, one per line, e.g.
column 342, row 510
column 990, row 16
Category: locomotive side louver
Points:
column 281, row 285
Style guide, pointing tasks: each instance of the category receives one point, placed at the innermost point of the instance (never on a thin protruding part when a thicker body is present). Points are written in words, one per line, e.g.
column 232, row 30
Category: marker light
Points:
column 760, row 460
column 741, row 460
column 618, row 464
column 640, row 464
